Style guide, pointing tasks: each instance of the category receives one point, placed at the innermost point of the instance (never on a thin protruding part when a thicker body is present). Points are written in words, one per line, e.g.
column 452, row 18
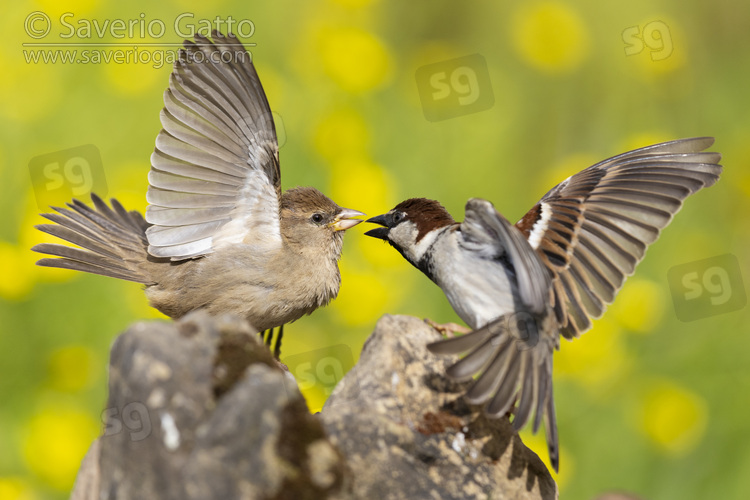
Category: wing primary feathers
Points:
column 622, row 204
column 215, row 177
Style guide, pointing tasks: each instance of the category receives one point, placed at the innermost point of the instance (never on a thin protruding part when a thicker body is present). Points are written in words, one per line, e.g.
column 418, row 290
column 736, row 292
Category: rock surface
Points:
column 198, row 409
column 406, row 432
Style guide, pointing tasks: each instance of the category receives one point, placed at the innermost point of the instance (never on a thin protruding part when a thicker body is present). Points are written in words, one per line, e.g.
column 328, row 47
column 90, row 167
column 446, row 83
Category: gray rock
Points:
column 406, row 432
column 198, row 409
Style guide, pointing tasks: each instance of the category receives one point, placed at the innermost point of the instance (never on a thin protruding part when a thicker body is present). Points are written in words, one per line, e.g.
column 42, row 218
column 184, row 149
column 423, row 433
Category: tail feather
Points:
column 77, row 238
column 112, row 241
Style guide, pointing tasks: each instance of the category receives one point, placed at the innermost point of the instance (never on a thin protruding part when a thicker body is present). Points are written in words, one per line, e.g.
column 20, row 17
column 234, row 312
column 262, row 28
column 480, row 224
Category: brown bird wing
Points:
column 215, row 177
column 592, row 229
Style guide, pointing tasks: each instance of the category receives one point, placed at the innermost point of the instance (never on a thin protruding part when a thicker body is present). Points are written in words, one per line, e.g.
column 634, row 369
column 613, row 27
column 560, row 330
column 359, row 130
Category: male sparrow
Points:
column 218, row 234
column 520, row 287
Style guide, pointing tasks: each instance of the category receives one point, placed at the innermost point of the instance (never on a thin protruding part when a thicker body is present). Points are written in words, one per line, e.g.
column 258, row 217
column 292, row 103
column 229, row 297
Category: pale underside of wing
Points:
column 487, row 233
column 215, row 176
column 592, row 229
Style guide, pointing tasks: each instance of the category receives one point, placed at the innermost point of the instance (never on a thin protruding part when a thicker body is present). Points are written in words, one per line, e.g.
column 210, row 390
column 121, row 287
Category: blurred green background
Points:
column 646, row 403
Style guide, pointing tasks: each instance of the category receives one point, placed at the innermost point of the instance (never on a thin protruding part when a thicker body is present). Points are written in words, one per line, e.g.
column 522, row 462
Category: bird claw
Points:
column 447, row 329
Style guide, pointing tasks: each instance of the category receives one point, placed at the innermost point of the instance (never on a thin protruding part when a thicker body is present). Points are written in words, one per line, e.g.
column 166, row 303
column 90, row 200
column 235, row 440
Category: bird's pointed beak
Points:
column 379, row 232
column 346, row 219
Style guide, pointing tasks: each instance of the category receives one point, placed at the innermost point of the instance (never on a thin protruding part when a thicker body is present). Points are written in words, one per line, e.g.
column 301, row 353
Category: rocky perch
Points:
column 198, row 409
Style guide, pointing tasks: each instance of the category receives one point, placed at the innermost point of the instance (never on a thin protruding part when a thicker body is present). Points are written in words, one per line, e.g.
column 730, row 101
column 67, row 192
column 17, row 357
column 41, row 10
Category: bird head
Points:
column 312, row 221
column 411, row 226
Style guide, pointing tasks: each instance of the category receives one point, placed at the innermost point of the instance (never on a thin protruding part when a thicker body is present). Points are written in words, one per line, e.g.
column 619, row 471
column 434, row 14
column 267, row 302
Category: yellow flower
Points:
column 550, row 36
column 363, row 298
column 639, row 306
column 55, row 442
column 80, row 7
column 343, row 132
column 361, row 184
column 673, row 417
column 16, row 488
column 355, row 59
column 597, row 360
column 135, row 70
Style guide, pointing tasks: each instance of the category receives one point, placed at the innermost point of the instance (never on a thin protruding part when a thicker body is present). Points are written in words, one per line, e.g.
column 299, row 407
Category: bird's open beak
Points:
column 379, row 232
column 346, row 219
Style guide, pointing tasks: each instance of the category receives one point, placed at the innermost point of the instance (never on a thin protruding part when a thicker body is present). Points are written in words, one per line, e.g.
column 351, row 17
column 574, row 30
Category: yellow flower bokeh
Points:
column 56, row 9
column 16, row 488
column 639, row 306
column 341, row 133
column 673, row 417
column 357, row 60
column 55, row 442
column 139, row 70
column 550, row 36
column 360, row 183
column 598, row 360
column 363, row 297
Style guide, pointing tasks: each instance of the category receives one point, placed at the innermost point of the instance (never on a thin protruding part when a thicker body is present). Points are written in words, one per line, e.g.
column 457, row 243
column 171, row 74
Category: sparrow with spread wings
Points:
column 218, row 233
column 520, row 287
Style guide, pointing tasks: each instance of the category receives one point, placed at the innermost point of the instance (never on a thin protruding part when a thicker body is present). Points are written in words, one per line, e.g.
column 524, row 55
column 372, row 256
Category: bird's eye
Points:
column 317, row 218
column 398, row 217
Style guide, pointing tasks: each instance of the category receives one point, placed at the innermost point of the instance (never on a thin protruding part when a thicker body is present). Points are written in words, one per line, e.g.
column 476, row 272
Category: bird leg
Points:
column 447, row 329
column 269, row 338
column 277, row 346
column 266, row 336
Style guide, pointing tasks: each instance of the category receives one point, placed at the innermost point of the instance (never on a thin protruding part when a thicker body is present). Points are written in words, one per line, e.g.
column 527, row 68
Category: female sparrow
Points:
column 218, row 234
column 520, row 287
